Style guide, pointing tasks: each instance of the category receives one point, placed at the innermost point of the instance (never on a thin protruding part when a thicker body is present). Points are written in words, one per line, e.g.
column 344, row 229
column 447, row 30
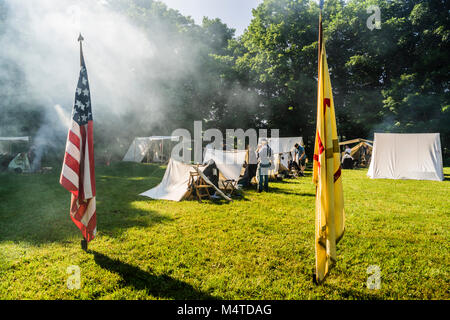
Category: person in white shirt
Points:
column 209, row 146
column 348, row 150
column 264, row 157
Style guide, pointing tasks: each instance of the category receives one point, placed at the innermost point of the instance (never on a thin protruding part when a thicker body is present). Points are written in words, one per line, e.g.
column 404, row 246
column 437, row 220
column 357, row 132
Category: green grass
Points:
column 258, row 247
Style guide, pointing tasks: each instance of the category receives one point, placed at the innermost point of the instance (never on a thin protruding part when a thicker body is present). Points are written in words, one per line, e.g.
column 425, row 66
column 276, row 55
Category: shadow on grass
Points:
column 159, row 286
column 283, row 191
column 220, row 201
column 118, row 221
column 216, row 199
column 307, row 174
column 355, row 294
column 35, row 208
column 288, row 180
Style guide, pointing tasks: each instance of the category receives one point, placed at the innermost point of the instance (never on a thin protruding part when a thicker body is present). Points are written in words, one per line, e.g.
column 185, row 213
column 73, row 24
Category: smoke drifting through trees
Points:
column 39, row 41
column 152, row 70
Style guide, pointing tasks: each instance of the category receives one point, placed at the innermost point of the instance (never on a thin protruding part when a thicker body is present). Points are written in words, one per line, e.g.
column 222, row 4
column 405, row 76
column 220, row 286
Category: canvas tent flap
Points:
column 359, row 146
column 407, row 156
column 230, row 163
column 20, row 163
column 136, row 151
column 139, row 147
column 355, row 141
column 174, row 184
column 284, row 160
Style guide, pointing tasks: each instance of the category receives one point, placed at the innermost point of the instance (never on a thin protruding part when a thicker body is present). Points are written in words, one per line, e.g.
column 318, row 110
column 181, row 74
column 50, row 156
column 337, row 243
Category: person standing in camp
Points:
column 347, row 149
column 264, row 158
column 347, row 161
column 301, row 156
column 252, row 160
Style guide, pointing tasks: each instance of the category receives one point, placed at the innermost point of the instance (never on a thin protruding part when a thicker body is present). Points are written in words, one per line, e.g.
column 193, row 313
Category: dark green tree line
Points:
column 392, row 79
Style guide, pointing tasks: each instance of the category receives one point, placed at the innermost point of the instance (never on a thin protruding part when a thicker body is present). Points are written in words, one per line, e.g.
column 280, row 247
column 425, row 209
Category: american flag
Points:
column 78, row 171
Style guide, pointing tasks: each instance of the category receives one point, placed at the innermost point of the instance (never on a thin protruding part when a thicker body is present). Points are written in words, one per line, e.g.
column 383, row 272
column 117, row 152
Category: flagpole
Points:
column 80, row 39
column 84, row 243
column 320, row 34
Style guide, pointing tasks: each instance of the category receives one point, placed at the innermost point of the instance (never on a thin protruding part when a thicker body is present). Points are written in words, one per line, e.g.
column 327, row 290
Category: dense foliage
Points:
column 392, row 79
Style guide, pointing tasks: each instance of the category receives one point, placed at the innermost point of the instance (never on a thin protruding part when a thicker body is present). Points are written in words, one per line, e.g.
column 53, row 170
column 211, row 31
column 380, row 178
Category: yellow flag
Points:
column 330, row 217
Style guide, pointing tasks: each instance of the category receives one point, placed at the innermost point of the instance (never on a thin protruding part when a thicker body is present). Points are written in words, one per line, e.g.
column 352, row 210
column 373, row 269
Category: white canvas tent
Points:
column 20, row 163
column 360, row 152
column 7, row 142
column 230, row 163
column 406, row 156
column 141, row 146
column 24, row 139
column 14, row 159
column 175, row 183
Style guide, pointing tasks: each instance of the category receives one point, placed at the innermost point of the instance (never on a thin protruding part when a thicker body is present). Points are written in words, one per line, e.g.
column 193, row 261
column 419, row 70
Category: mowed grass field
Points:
column 260, row 246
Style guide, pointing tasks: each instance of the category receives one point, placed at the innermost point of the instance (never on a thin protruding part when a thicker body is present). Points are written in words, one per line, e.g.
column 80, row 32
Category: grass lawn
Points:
column 257, row 247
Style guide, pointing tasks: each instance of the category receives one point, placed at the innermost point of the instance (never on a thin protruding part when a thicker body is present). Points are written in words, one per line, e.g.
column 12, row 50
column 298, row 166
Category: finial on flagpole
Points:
column 80, row 39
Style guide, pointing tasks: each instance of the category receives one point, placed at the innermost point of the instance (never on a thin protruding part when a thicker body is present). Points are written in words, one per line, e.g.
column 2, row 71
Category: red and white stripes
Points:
column 78, row 177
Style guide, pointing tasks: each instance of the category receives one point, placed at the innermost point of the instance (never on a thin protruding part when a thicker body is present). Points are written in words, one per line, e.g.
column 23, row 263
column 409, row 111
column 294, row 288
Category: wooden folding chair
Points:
column 229, row 186
column 199, row 186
